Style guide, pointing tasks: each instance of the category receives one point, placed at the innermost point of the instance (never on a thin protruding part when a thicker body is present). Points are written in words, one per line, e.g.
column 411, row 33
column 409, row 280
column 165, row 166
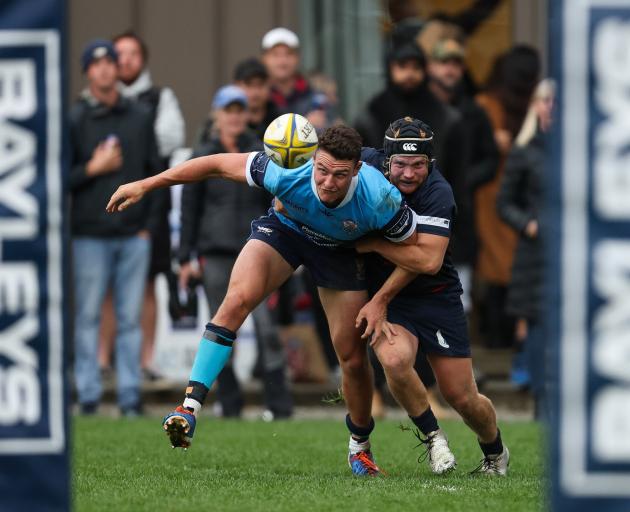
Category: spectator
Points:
column 446, row 71
column 324, row 107
column 216, row 218
column 135, row 83
column 290, row 91
column 112, row 142
column 407, row 94
column 251, row 76
column 519, row 204
column 505, row 100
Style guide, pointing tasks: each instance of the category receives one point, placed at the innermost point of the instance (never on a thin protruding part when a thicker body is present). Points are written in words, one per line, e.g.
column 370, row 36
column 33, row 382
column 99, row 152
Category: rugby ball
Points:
column 290, row 140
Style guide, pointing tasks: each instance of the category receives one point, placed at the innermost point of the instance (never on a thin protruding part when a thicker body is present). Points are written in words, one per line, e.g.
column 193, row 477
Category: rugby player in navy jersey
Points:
column 320, row 209
column 415, row 298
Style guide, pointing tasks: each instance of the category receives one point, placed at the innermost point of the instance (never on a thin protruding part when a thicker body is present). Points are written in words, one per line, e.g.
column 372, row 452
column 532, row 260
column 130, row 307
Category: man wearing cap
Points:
column 112, row 142
column 252, row 77
column 216, row 218
column 446, row 71
column 290, row 91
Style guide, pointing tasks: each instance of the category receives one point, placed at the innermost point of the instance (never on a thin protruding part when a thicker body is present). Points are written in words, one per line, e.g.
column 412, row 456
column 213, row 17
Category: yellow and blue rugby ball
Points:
column 290, row 140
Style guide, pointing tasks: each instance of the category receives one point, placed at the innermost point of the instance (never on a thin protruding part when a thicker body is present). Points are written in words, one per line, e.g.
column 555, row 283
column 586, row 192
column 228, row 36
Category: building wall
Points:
column 193, row 44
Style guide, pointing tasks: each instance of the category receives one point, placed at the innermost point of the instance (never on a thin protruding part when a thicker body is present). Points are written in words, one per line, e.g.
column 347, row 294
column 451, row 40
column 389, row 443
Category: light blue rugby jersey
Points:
column 372, row 203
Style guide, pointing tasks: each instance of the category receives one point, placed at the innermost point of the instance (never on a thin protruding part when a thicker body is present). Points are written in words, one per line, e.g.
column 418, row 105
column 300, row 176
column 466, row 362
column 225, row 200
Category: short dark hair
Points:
column 342, row 142
column 130, row 34
column 249, row 69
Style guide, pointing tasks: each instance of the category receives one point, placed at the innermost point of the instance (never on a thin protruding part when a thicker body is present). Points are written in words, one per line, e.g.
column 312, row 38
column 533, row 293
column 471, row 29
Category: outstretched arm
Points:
column 230, row 166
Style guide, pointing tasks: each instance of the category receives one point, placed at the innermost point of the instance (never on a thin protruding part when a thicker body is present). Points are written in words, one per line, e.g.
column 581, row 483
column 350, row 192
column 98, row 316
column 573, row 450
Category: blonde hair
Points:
column 545, row 89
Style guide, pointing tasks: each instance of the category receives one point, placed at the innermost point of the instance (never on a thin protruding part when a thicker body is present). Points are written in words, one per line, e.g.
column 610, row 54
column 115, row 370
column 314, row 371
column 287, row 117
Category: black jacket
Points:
column 480, row 164
column 449, row 145
column 90, row 124
column 519, row 201
column 217, row 213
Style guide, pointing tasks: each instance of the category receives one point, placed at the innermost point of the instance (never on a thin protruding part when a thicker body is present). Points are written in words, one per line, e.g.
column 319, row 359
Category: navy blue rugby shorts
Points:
column 437, row 320
column 334, row 268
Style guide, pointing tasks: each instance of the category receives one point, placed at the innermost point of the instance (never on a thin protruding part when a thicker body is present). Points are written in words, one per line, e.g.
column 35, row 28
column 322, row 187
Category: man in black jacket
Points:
column 407, row 94
column 446, row 71
column 112, row 142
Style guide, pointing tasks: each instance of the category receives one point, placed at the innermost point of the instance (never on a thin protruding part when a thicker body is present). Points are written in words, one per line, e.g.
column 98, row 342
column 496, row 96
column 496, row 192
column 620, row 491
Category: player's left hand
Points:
column 374, row 313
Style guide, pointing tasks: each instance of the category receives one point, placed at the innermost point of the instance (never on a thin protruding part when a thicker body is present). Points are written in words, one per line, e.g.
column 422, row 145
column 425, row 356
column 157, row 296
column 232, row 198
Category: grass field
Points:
column 128, row 465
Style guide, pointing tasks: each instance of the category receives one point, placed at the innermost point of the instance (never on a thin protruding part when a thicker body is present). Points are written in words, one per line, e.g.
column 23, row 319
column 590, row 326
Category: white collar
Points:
column 349, row 195
column 141, row 84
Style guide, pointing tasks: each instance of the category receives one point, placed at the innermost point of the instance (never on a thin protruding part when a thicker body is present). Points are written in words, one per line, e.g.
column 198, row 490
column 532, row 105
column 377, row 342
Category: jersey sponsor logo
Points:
column 349, row 226
column 264, row 230
column 441, row 340
column 434, row 221
column 325, row 212
column 409, row 146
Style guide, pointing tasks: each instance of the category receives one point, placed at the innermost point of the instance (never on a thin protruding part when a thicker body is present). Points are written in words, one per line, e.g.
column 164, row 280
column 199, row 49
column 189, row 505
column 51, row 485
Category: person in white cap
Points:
column 290, row 91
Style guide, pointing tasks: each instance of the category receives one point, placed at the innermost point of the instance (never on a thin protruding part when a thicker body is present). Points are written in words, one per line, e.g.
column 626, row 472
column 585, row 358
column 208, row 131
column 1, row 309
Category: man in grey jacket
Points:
column 135, row 83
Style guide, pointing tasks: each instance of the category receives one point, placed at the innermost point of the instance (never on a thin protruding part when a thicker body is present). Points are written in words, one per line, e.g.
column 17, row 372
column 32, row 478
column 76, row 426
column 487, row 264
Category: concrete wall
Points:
column 193, row 44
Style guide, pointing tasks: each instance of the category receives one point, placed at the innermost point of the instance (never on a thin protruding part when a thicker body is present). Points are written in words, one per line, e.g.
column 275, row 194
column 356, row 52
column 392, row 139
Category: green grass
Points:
column 128, row 465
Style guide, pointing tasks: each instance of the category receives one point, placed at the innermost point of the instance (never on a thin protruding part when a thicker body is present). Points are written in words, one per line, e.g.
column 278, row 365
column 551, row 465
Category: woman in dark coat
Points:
column 519, row 204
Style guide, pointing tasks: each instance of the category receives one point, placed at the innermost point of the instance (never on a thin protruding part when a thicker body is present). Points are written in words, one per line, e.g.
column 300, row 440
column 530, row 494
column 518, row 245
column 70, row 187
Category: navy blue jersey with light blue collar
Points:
column 435, row 208
column 372, row 204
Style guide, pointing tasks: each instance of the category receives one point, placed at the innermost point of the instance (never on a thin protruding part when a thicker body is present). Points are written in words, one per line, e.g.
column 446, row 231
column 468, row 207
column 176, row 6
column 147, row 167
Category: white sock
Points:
column 193, row 404
column 356, row 447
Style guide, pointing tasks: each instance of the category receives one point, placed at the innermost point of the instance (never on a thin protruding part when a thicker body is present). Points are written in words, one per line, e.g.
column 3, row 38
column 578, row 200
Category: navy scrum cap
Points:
column 97, row 49
column 408, row 136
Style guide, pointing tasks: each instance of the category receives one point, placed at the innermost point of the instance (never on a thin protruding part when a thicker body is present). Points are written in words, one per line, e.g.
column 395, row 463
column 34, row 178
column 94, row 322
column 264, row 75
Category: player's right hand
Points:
column 125, row 196
column 106, row 158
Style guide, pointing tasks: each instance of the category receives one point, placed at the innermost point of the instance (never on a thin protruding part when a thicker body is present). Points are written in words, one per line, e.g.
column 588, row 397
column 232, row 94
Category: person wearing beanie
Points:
column 112, row 141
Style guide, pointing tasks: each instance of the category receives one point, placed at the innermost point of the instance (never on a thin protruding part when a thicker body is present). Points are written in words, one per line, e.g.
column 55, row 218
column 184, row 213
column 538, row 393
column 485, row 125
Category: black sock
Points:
column 359, row 434
column 493, row 448
column 426, row 422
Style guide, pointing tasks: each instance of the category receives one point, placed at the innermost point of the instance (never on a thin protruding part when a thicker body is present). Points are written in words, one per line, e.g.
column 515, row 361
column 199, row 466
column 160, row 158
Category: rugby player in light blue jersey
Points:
column 319, row 210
